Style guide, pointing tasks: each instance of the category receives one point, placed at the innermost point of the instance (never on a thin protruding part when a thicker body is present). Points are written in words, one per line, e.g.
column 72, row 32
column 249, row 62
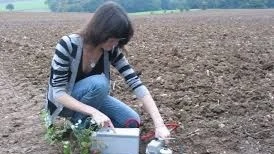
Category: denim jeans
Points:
column 94, row 91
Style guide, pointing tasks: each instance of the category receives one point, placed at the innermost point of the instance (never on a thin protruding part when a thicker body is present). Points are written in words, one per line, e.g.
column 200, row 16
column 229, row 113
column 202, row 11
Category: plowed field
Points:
column 212, row 72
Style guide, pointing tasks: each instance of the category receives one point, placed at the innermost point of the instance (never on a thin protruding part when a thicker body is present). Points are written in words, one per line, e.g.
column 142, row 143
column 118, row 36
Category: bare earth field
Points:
column 212, row 72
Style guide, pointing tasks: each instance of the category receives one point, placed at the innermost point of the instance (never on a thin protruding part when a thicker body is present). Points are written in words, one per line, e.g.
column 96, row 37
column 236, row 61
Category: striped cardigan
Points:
column 64, row 67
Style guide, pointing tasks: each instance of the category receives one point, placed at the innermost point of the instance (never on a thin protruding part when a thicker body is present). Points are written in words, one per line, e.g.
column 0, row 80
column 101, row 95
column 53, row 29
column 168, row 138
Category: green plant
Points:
column 54, row 133
column 66, row 147
column 61, row 133
column 83, row 131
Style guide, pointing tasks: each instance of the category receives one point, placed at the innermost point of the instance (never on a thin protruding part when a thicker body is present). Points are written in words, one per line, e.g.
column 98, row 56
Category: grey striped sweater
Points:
column 65, row 64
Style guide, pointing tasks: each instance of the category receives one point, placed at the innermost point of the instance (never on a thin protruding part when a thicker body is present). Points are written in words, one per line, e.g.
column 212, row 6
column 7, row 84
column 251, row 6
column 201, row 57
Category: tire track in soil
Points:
column 20, row 103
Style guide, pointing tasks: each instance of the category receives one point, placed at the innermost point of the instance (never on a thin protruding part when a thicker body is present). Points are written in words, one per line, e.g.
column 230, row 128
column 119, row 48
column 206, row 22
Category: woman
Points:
column 78, row 85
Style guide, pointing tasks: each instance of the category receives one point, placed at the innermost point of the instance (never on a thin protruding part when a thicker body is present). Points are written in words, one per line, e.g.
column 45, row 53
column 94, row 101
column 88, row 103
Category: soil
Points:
column 212, row 72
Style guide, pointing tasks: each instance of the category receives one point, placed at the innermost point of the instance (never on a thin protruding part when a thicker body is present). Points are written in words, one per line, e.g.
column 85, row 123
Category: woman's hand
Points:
column 162, row 132
column 102, row 120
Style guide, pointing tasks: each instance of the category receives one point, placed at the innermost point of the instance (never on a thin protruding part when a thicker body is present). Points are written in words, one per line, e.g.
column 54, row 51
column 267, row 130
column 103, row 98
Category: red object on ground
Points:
column 151, row 134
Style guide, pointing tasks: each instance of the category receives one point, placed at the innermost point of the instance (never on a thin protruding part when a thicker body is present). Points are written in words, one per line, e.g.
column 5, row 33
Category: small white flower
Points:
column 79, row 121
column 92, row 121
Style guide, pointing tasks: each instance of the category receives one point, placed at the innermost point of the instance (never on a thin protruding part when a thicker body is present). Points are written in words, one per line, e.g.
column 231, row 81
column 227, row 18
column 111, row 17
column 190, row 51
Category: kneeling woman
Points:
column 79, row 83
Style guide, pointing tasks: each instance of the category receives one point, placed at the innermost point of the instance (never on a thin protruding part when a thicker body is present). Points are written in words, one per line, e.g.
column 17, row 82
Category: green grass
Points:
column 155, row 12
column 159, row 12
column 28, row 5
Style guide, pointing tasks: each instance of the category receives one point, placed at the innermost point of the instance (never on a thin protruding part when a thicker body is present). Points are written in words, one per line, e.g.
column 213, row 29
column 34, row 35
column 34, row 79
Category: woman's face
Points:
column 111, row 43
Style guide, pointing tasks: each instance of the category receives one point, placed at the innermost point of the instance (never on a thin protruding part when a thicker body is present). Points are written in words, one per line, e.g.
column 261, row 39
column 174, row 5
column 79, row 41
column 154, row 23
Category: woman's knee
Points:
column 98, row 85
column 92, row 88
column 133, row 122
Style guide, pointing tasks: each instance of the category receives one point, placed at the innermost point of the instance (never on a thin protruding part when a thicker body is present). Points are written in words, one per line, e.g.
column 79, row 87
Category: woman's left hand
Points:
column 162, row 132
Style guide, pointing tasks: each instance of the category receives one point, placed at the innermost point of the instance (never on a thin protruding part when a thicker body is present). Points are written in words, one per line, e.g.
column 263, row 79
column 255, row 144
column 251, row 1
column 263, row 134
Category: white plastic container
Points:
column 165, row 151
column 157, row 146
column 124, row 141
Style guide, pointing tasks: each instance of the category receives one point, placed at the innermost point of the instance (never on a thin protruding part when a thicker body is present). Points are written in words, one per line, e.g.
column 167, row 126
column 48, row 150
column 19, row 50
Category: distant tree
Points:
column 53, row 5
column 128, row 5
column 152, row 5
column 147, row 5
column 180, row 4
column 74, row 8
column 194, row 4
column 91, row 5
column 257, row 4
column 165, row 4
column 140, row 5
column 213, row 3
column 270, row 3
column 204, row 5
column 10, row 7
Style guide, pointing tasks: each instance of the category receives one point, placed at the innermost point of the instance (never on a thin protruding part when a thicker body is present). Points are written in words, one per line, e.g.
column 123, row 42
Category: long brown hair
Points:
column 110, row 20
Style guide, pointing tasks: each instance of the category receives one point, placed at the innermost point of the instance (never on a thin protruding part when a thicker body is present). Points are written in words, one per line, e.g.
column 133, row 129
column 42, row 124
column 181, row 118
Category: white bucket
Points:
column 124, row 141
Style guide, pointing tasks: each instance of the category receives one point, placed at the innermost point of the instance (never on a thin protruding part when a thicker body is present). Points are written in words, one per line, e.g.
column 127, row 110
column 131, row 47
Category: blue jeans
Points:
column 94, row 91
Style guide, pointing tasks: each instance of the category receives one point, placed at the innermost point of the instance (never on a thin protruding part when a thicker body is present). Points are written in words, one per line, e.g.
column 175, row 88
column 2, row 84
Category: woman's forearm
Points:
column 151, row 108
column 75, row 105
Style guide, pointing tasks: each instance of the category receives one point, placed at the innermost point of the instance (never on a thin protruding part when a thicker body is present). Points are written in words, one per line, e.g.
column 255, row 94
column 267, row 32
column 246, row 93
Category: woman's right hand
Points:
column 102, row 120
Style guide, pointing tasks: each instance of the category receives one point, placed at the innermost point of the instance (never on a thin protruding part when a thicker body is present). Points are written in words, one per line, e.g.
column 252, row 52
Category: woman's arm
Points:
column 75, row 105
column 151, row 108
column 119, row 61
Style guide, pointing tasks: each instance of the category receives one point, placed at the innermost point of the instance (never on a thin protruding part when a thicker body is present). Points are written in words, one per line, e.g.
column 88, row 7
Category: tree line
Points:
column 151, row 5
